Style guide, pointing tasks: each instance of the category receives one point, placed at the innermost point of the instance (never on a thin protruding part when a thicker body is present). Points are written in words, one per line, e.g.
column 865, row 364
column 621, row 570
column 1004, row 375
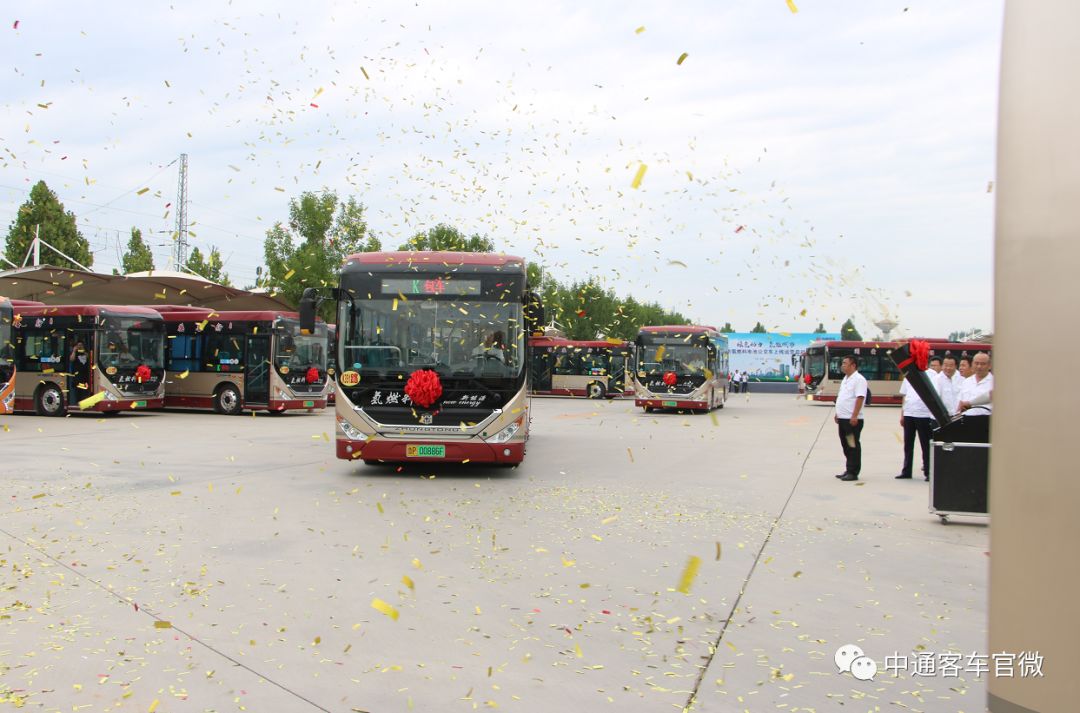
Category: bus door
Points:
column 541, row 369
column 257, row 370
column 618, row 363
column 79, row 364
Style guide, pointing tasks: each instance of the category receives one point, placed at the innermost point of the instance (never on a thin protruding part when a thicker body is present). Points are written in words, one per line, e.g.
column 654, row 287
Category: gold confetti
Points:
column 797, row 574
column 639, row 30
column 364, row 71
column 380, row 507
column 75, row 284
column 609, row 520
column 162, row 624
column 153, row 706
column 689, row 574
column 578, row 652
column 791, row 6
column 89, row 401
column 407, row 581
column 684, row 55
column 289, row 274
column 183, row 374
column 717, row 551
column 636, row 183
column 631, row 454
column 384, row 608
column 141, row 191
column 39, row 495
column 416, row 563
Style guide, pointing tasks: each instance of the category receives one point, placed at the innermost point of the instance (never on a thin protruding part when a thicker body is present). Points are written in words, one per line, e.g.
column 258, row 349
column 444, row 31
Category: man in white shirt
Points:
column 917, row 420
column 950, row 385
column 977, row 391
column 849, row 416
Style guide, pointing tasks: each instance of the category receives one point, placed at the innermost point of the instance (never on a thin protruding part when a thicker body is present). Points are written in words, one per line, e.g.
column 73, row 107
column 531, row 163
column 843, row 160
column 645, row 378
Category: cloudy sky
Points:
column 800, row 167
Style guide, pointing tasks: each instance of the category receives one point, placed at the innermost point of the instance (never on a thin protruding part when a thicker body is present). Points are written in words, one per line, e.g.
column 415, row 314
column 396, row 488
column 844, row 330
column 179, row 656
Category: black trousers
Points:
column 920, row 427
column 852, row 453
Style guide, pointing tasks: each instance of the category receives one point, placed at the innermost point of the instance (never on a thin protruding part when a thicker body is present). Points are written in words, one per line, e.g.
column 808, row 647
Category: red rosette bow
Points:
column 423, row 387
column 142, row 373
column 312, row 375
column 918, row 354
column 670, row 378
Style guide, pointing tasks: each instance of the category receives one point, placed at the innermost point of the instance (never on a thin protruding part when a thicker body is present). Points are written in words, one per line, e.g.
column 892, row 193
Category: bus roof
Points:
column 36, row 309
column 680, row 328
column 934, row 343
column 185, row 314
column 581, row 343
column 447, row 258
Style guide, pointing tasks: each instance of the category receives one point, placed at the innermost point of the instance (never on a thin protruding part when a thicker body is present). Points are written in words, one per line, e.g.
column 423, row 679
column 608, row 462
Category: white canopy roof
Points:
column 59, row 286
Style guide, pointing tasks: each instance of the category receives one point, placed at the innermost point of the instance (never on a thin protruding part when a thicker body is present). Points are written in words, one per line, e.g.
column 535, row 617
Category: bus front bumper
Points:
column 671, row 403
column 394, row 451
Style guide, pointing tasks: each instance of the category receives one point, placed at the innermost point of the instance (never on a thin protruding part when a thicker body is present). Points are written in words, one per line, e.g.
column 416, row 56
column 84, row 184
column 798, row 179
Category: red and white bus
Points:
column 596, row 369
column 236, row 361
column 822, row 374
column 432, row 357
column 682, row 367
column 7, row 358
column 99, row 358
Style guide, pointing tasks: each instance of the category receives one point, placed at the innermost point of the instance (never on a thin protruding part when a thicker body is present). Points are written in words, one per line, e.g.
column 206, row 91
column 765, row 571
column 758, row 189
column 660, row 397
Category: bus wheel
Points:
column 50, row 401
column 595, row 390
column 227, row 401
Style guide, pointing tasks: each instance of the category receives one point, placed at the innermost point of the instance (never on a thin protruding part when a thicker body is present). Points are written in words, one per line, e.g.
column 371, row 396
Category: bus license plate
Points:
column 670, row 404
column 424, row 451
column 309, row 404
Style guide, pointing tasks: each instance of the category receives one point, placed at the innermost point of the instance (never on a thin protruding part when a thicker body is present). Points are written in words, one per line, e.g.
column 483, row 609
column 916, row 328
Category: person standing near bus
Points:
column 849, row 416
column 977, row 391
column 964, row 367
column 916, row 420
column 79, row 373
column 951, row 383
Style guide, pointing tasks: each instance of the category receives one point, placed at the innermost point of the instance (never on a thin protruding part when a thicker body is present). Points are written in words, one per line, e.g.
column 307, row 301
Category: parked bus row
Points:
column 822, row 374
column 105, row 358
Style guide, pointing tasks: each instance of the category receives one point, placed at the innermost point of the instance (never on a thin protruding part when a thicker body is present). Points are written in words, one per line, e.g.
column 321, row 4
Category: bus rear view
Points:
column 432, row 358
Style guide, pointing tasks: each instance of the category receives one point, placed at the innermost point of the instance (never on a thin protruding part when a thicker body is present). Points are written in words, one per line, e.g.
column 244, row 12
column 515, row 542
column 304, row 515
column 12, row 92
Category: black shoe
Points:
column 903, row 477
column 848, row 477
column 840, row 475
column 926, row 478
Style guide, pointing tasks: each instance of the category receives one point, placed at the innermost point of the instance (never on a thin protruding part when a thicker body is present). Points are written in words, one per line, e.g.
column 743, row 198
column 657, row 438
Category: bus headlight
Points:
column 351, row 432
column 507, row 433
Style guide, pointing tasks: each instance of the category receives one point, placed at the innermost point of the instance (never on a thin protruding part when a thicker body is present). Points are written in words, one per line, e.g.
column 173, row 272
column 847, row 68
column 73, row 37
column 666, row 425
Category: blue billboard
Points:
column 771, row 356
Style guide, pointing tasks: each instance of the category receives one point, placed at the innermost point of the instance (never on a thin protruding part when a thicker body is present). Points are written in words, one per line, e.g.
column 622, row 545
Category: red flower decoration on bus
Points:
column 312, row 375
column 142, row 373
column 424, row 387
column 670, row 378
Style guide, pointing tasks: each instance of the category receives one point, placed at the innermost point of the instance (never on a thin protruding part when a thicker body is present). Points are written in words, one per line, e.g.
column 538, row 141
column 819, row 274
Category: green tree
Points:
column 210, row 267
column 322, row 231
column 727, row 328
column 820, row 328
column 448, row 238
column 45, row 213
column 848, row 332
column 759, row 328
column 138, row 257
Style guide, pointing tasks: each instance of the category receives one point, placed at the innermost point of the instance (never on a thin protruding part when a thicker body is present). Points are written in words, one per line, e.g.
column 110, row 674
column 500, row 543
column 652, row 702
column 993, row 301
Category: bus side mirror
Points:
column 534, row 313
column 309, row 305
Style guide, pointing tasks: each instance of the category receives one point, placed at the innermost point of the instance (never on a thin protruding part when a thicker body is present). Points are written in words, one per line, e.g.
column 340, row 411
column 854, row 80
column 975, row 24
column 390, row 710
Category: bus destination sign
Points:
column 432, row 286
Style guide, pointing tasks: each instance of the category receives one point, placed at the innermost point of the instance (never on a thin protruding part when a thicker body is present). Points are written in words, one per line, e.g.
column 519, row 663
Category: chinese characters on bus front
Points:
column 398, row 398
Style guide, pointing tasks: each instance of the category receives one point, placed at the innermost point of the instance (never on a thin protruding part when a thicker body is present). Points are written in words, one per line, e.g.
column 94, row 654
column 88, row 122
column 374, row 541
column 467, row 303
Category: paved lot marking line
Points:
column 692, row 699
column 161, row 623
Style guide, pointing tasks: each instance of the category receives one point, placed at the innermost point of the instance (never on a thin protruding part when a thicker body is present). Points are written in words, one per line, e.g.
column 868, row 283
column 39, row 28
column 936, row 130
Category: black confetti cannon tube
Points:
column 918, row 380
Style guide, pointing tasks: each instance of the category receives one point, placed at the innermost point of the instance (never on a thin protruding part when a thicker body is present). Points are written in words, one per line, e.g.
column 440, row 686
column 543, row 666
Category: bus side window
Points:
column 43, row 351
column 182, row 353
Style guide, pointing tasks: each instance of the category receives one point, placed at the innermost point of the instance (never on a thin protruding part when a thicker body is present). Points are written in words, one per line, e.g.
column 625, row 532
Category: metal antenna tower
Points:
column 181, row 215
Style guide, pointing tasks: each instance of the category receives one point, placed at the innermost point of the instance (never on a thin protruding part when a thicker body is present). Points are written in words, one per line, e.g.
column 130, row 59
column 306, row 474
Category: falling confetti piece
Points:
column 717, row 551
column 609, row 520
column 578, row 652
column 791, row 6
column 677, row 263
column 797, row 574
column 682, row 57
column 380, row 507
column 407, row 581
column 364, row 71
column 740, row 228
column 636, row 183
column 39, row 495
column 89, row 401
column 76, row 284
column 689, row 574
column 162, row 624
column 153, row 706
column 15, row 26
column 384, row 608
column 416, row 563
column 184, row 375
column 639, row 30
column 141, row 191
column 289, row 274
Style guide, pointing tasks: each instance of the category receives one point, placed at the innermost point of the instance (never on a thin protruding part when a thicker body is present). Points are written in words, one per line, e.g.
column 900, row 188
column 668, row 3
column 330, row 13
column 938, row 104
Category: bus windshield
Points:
column 681, row 358
column 131, row 341
column 300, row 351
column 456, row 337
column 815, row 363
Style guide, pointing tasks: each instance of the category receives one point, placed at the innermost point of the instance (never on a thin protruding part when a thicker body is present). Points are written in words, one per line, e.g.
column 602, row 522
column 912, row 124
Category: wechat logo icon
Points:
column 849, row 658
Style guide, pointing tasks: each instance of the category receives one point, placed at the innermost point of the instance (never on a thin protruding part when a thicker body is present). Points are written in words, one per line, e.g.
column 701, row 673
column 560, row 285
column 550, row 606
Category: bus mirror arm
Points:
column 309, row 308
